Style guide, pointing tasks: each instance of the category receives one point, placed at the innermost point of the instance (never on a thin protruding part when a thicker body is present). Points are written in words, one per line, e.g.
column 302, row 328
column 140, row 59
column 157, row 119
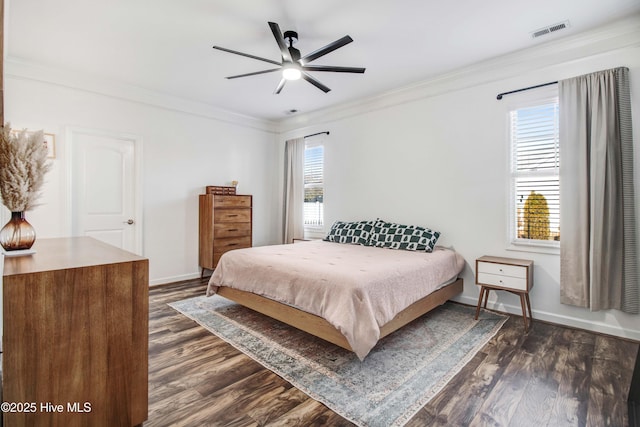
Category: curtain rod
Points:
column 315, row 134
column 500, row 95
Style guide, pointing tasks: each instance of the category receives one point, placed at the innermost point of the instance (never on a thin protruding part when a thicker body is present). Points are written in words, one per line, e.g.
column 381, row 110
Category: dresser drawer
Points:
column 232, row 215
column 502, row 269
column 223, row 245
column 517, row 283
column 231, row 229
column 232, row 201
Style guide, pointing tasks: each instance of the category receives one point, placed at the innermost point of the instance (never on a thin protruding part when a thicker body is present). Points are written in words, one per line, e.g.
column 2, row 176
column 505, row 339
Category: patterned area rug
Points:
column 400, row 375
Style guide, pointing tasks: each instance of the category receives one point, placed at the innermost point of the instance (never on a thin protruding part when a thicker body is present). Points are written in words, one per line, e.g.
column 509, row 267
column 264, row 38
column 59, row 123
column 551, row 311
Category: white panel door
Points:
column 104, row 191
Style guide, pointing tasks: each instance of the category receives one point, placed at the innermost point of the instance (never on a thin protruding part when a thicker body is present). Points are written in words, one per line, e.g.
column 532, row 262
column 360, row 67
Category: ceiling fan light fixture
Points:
column 293, row 65
column 291, row 72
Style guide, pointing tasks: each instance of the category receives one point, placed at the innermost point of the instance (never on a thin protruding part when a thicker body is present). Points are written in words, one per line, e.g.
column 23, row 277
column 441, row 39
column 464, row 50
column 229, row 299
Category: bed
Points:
column 350, row 295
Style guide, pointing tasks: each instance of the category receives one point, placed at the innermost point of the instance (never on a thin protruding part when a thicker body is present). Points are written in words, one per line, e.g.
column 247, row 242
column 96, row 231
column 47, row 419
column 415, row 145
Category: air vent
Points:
column 550, row 29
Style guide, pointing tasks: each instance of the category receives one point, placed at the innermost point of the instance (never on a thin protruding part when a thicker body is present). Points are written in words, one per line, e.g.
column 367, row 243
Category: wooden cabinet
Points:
column 507, row 274
column 75, row 342
column 225, row 224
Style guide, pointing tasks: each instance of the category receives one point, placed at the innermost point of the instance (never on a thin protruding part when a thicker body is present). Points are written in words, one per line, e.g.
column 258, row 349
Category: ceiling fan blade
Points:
column 280, row 86
column 247, row 55
column 327, row 49
column 315, row 82
column 334, row 69
column 277, row 34
column 255, row 73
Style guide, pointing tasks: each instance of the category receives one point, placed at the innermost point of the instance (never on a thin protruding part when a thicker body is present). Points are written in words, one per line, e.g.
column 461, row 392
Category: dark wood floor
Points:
column 552, row 376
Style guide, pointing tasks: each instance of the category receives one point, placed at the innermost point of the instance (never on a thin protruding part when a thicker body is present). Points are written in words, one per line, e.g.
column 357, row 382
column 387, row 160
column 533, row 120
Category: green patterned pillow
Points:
column 407, row 237
column 356, row 233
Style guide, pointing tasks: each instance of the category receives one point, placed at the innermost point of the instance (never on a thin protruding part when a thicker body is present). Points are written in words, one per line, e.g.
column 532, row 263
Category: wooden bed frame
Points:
column 319, row 327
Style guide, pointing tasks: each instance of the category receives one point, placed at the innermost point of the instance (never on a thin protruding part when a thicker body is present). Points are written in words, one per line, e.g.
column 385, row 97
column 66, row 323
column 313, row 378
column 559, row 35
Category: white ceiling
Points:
column 166, row 45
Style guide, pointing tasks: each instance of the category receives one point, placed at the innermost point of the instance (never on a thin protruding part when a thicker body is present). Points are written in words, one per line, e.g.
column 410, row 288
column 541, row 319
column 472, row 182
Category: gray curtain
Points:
column 598, row 250
column 293, row 226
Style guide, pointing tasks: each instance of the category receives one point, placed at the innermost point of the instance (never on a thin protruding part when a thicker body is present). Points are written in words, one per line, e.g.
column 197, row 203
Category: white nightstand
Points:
column 505, row 274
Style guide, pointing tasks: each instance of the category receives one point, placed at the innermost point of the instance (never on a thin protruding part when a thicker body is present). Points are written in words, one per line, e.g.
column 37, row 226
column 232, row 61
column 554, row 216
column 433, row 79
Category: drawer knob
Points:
column 233, row 229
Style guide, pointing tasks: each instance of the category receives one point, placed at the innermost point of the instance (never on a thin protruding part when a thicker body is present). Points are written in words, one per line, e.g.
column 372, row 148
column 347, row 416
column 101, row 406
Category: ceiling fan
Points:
column 293, row 65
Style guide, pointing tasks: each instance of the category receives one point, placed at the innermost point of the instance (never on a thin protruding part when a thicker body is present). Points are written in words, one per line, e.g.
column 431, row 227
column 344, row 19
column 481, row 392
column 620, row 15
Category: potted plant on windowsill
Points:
column 23, row 164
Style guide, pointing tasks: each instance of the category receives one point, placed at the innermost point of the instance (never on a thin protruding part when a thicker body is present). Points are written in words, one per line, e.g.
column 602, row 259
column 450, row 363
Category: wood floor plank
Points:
column 443, row 409
column 571, row 405
column 540, row 394
column 174, row 409
column 472, row 385
column 280, row 401
column 498, row 410
column 307, row 414
column 237, row 401
column 607, row 401
column 551, row 376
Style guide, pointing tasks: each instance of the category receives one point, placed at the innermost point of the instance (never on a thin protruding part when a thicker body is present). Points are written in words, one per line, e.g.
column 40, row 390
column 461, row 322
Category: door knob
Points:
column 129, row 221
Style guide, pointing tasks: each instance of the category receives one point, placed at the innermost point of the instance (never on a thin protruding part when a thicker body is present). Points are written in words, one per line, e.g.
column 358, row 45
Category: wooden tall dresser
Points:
column 75, row 342
column 225, row 224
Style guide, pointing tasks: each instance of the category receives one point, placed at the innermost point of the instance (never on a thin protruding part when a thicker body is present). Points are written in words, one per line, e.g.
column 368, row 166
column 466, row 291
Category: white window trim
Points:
column 524, row 100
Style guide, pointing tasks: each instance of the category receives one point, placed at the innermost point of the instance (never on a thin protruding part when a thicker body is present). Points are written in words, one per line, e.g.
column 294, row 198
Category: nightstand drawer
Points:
column 502, row 269
column 517, row 283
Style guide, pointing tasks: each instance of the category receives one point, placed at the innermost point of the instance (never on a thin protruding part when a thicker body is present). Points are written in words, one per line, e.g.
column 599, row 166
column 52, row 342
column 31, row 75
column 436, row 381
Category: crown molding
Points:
column 617, row 35
column 17, row 68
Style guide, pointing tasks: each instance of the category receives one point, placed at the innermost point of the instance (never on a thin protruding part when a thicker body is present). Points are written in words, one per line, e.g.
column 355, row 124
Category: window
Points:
column 535, row 183
column 314, row 187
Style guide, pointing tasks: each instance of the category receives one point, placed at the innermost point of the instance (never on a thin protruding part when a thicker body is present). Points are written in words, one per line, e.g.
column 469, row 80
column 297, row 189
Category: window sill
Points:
column 533, row 248
column 314, row 234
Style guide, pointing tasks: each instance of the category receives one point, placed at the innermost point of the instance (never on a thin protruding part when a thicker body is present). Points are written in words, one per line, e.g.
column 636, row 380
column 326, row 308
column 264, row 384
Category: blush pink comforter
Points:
column 355, row 288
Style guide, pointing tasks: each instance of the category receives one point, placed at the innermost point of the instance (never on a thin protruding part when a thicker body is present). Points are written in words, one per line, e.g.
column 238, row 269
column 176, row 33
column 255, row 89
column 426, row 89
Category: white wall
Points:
column 182, row 153
column 441, row 161
column 434, row 155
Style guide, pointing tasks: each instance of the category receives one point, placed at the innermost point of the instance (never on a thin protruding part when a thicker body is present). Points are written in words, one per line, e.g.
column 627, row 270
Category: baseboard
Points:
column 573, row 322
column 171, row 279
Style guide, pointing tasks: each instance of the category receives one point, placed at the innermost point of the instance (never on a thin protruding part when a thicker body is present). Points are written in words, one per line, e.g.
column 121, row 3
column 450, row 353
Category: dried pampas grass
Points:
column 23, row 164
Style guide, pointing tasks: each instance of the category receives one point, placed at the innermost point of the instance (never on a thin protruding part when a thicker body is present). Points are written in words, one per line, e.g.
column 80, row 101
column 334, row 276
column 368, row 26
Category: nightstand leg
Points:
column 524, row 312
column 526, row 297
column 482, row 291
column 486, row 296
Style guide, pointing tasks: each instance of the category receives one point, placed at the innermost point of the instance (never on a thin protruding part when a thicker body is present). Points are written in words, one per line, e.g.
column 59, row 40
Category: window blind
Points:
column 313, row 183
column 535, row 172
